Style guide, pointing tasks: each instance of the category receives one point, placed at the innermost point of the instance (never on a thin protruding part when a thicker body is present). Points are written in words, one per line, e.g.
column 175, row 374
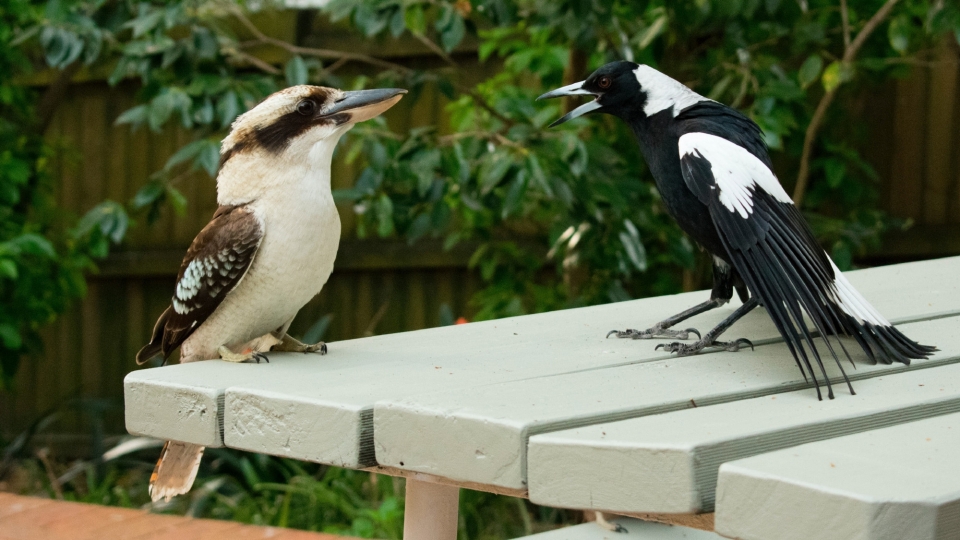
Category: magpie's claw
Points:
column 734, row 346
column 260, row 356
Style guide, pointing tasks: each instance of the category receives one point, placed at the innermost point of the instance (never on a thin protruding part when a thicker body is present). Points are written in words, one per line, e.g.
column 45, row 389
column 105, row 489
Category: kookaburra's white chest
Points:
column 301, row 234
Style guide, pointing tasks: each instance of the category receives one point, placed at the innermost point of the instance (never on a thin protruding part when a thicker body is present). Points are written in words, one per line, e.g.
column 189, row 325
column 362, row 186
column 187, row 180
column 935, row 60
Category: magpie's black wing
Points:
column 776, row 254
column 214, row 264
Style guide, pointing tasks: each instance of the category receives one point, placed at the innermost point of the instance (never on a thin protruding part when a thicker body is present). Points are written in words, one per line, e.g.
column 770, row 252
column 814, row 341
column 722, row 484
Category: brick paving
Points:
column 32, row 518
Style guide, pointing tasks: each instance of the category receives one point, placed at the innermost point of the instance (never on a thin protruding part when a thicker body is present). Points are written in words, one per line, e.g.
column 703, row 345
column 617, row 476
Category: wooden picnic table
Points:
column 543, row 406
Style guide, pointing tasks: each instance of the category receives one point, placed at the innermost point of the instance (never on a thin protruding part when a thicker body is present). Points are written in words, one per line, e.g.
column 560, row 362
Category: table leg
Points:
column 431, row 511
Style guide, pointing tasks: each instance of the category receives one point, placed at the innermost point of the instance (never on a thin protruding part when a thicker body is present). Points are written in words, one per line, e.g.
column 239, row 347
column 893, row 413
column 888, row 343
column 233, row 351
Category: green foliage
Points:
column 43, row 254
column 559, row 218
column 580, row 195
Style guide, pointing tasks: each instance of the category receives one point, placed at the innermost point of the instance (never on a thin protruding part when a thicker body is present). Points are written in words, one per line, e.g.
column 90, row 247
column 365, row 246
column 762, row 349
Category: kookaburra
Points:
column 269, row 248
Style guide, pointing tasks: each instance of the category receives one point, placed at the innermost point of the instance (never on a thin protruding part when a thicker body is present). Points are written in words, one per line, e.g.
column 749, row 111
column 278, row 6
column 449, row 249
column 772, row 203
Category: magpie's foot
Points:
column 655, row 332
column 686, row 349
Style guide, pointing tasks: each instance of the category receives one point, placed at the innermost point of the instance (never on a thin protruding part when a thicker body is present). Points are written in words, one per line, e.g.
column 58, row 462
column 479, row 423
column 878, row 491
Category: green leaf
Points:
column 514, row 198
column 835, row 171
column 415, row 20
column 397, row 23
column 34, row 244
column 109, row 217
column 296, row 71
column 8, row 268
column 384, row 207
column 648, row 34
column 630, row 238
column 177, row 200
column 187, row 153
column 836, row 74
column 419, row 227
column 136, row 116
column 493, row 170
column 810, row 70
column 10, row 337
column 898, row 32
column 453, row 34
column 149, row 194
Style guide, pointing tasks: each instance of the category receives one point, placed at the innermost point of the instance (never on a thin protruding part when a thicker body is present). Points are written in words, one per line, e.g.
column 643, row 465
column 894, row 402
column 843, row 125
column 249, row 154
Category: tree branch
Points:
column 849, row 54
column 343, row 57
column 845, row 17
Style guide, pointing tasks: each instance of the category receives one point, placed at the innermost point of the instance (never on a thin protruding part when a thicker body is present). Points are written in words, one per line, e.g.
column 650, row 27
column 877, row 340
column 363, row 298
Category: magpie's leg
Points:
column 724, row 280
column 709, row 340
column 660, row 330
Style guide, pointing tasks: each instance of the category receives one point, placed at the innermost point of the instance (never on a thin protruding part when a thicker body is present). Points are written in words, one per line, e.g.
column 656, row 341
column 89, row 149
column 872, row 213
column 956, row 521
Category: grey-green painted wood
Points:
column 635, row 530
column 320, row 408
column 480, row 434
column 668, row 463
column 897, row 483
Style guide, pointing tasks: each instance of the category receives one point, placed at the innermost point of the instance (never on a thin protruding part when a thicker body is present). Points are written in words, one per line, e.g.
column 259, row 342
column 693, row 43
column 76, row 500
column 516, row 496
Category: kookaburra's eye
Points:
column 306, row 107
column 604, row 82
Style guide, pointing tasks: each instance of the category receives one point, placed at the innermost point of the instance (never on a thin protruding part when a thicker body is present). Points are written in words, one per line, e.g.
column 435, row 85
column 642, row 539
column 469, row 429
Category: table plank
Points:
column 635, row 529
column 320, row 409
column 889, row 484
column 480, row 434
column 668, row 463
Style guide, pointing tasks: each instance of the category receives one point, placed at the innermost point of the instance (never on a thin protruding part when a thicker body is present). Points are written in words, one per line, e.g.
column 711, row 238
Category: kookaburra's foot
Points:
column 685, row 349
column 658, row 331
column 289, row 344
column 230, row 356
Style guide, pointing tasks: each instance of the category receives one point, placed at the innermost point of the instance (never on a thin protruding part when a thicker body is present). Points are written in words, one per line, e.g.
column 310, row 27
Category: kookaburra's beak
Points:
column 575, row 89
column 359, row 105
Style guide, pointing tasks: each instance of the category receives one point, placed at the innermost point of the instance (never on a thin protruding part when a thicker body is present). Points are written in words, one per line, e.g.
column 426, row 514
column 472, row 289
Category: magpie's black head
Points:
column 615, row 86
column 629, row 91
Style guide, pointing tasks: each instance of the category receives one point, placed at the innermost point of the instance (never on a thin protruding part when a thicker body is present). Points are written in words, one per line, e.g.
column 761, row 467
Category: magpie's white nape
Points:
column 715, row 177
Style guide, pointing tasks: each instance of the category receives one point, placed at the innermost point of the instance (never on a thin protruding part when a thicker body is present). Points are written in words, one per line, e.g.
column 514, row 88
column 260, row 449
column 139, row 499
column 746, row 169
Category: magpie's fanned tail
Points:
column 773, row 249
column 779, row 260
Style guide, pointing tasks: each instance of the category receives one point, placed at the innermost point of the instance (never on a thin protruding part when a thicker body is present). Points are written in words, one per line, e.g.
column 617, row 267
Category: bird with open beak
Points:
column 715, row 178
column 269, row 247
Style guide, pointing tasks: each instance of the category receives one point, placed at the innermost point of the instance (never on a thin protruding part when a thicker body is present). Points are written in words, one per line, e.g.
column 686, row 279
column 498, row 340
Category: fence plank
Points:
column 941, row 130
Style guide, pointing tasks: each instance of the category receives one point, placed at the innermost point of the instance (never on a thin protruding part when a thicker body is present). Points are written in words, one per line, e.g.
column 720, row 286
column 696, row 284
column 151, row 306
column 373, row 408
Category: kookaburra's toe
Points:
column 229, row 356
column 289, row 344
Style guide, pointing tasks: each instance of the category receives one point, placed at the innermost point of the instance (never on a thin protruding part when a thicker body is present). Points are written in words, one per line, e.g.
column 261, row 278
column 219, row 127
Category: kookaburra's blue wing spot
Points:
column 716, row 179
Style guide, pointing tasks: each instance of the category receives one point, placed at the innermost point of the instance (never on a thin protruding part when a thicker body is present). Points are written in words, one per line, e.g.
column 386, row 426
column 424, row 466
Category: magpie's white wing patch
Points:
column 736, row 171
column 776, row 254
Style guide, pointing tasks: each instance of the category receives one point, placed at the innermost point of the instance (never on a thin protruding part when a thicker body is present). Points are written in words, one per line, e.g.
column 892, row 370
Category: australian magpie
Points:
column 715, row 177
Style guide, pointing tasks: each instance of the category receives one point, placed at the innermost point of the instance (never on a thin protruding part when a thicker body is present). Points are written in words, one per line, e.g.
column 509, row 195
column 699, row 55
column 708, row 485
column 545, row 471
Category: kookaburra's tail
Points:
column 175, row 471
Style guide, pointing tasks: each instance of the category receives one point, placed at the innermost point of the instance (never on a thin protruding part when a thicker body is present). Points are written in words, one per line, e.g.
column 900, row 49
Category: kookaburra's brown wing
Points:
column 214, row 265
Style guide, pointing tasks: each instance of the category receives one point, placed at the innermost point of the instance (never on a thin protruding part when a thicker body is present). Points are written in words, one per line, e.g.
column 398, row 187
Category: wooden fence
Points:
column 381, row 287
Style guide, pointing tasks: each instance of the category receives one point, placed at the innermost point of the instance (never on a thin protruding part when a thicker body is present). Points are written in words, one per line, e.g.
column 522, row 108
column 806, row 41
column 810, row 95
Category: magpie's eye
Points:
column 604, row 82
column 306, row 107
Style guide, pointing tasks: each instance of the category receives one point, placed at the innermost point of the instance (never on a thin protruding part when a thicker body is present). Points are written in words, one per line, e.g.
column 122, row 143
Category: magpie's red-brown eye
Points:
column 306, row 107
column 604, row 82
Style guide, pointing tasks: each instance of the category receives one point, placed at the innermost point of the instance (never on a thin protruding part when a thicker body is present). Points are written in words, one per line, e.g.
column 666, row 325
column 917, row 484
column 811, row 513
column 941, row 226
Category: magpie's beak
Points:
column 360, row 105
column 575, row 89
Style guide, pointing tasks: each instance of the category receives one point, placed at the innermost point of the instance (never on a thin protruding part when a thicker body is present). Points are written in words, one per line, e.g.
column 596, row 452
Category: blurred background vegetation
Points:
column 459, row 203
